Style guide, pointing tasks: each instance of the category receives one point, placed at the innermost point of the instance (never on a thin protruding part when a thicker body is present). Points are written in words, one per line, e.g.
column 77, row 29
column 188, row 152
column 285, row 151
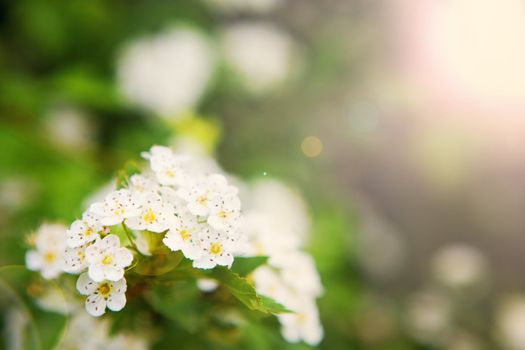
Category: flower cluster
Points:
column 196, row 213
column 277, row 227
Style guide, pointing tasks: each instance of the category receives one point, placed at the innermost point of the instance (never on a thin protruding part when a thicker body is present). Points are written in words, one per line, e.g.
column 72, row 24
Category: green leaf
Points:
column 245, row 292
column 245, row 265
column 160, row 263
column 180, row 303
column 272, row 306
column 125, row 173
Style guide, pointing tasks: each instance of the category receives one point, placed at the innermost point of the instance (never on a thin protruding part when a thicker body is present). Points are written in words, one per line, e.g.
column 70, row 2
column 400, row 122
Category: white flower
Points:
column 262, row 55
column 75, row 259
column 303, row 323
column 155, row 215
column 69, row 128
column 167, row 73
column 268, row 282
column 268, row 235
column 510, row 322
column 202, row 194
column 117, row 206
column 84, row 231
column 299, row 272
column 50, row 243
column 55, row 299
column 169, row 168
column 102, row 294
column 143, row 184
column 107, row 259
column 76, row 337
column 216, row 248
column 459, row 265
column 225, row 211
column 184, row 235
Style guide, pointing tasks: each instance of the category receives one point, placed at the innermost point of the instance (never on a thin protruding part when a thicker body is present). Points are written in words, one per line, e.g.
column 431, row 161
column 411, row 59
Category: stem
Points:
column 130, row 239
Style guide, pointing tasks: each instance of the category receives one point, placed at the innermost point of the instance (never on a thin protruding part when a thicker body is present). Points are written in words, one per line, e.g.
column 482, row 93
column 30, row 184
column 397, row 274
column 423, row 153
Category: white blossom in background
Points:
column 48, row 255
column 87, row 333
column 102, row 294
column 510, row 323
column 298, row 272
column 15, row 193
column 263, row 56
column 56, row 299
column 303, row 323
column 166, row 73
column 276, row 224
column 459, row 266
column 207, row 285
column 429, row 317
column 69, row 128
column 107, row 259
column 248, row 6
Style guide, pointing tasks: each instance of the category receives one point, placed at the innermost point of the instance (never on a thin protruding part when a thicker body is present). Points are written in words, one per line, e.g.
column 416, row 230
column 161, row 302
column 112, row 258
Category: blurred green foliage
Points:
column 55, row 53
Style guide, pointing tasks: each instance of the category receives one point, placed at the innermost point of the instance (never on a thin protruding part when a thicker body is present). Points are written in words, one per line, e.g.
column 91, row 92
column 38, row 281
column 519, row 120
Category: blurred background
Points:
column 400, row 122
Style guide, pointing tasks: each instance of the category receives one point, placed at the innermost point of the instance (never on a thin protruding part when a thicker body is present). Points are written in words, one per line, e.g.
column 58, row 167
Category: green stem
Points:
column 130, row 238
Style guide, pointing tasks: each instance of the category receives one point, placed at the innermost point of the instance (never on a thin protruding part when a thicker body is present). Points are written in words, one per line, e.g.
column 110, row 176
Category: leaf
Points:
column 245, row 265
column 272, row 306
column 125, row 173
column 245, row 292
column 159, row 263
column 179, row 303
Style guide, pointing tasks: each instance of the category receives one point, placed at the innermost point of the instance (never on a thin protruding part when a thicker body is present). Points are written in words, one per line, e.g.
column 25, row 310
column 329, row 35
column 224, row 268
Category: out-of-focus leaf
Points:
column 272, row 306
column 245, row 292
column 160, row 263
column 245, row 265
column 125, row 173
column 180, row 303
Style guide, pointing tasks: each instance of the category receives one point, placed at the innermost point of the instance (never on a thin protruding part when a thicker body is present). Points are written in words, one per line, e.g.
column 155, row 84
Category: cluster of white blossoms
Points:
column 277, row 226
column 196, row 213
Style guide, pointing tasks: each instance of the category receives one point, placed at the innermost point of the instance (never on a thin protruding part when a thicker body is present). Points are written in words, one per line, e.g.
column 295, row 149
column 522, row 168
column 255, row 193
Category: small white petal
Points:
column 86, row 285
column 116, row 301
column 95, row 305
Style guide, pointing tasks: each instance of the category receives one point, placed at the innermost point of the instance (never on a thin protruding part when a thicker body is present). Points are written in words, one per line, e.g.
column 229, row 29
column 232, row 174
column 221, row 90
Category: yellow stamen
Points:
column 104, row 289
column 108, row 259
column 149, row 216
column 202, row 200
column 88, row 231
column 49, row 257
column 222, row 214
column 184, row 234
column 118, row 211
column 215, row 248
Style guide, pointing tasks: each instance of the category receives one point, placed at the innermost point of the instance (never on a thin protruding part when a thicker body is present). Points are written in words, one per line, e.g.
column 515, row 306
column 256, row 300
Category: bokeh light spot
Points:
column 312, row 146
